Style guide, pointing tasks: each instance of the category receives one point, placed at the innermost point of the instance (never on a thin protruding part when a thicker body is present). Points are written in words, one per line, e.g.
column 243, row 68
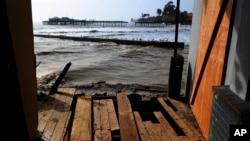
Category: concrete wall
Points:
column 238, row 66
column 193, row 46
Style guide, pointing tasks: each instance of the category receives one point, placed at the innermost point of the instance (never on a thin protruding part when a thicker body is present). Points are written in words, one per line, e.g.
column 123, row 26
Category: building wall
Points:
column 21, row 29
column 238, row 66
column 193, row 46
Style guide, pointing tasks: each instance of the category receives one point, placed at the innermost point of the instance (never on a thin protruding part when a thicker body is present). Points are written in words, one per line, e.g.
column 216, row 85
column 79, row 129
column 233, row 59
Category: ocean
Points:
column 108, row 62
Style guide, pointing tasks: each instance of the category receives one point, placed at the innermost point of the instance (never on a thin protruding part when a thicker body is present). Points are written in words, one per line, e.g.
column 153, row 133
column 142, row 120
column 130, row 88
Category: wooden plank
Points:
column 45, row 111
column 162, row 133
column 106, row 135
column 123, row 103
column 114, row 125
column 65, row 130
column 58, row 115
column 102, row 110
column 51, row 124
column 104, row 114
column 97, row 121
column 128, row 130
column 63, row 126
column 98, row 135
column 60, row 126
column 49, row 128
column 185, row 113
column 141, row 127
column 105, row 127
column 186, row 130
column 166, row 127
column 86, row 131
column 81, row 128
column 152, row 131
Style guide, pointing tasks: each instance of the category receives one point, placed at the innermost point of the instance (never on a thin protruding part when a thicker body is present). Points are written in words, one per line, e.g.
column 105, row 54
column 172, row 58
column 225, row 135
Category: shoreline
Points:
column 101, row 88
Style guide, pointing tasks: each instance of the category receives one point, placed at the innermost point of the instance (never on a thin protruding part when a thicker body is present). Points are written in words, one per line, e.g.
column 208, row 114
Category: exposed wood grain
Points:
column 141, row 127
column 187, row 116
column 54, row 118
column 60, row 127
column 152, row 131
column 64, row 117
column 167, row 128
column 105, row 126
column 213, row 71
column 114, row 125
column 164, row 136
column 186, row 130
column 97, row 121
column 81, row 128
column 128, row 128
column 45, row 111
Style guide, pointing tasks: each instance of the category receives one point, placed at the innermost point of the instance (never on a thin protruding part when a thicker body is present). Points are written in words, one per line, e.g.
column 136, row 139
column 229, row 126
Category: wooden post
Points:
column 59, row 79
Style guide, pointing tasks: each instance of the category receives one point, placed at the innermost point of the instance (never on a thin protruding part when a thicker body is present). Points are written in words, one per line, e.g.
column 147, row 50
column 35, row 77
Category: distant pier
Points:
column 86, row 23
column 149, row 24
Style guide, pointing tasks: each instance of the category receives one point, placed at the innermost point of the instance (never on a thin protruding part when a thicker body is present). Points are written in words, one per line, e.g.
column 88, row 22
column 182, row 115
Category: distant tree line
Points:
column 167, row 15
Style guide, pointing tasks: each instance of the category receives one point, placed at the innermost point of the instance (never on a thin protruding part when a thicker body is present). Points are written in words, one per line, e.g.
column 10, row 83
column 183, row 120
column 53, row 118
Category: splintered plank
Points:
column 114, row 125
column 186, row 130
column 128, row 130
column 56, row 117
column 81, row 128
column 141, row 127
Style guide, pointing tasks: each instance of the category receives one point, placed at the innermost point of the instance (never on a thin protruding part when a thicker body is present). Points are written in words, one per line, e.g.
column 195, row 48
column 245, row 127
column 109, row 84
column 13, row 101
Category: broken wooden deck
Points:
column 64, row 116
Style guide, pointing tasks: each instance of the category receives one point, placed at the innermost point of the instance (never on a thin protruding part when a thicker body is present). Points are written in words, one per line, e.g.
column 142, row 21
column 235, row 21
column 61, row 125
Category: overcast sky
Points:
column 100, row 9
